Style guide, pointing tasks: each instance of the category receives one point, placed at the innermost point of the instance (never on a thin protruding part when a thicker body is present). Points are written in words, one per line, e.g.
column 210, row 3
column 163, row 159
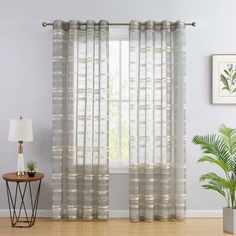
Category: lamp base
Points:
column 20, row 165
column 20, row 173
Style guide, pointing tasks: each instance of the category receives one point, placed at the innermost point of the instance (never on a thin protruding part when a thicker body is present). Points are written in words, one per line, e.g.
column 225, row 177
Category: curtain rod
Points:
column 44, row 24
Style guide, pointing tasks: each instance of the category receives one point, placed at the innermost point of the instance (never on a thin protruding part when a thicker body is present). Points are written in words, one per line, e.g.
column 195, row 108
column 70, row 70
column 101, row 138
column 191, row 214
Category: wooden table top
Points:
column 13, row 177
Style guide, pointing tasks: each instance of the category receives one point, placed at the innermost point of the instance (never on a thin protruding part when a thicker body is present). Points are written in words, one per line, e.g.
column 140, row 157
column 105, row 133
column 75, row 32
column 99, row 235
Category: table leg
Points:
column 16, row 214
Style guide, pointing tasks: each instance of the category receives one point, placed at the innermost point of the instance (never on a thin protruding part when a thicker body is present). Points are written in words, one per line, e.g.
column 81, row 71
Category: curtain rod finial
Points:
column 44, row 24
column 194, row 23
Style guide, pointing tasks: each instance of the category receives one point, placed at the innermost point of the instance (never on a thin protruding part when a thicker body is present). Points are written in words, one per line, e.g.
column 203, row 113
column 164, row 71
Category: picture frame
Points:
column 224, row 79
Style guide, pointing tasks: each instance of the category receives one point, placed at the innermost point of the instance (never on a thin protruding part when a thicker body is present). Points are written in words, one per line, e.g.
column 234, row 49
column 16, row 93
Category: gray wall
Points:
column 25, row 75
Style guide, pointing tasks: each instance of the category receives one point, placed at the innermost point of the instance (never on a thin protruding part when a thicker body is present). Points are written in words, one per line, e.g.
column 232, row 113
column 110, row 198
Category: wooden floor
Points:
column 115, row 227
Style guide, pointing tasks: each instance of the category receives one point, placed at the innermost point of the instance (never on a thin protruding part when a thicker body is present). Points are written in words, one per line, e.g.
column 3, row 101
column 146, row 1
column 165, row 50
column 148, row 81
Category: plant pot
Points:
column 229, row 220
column 31, row 173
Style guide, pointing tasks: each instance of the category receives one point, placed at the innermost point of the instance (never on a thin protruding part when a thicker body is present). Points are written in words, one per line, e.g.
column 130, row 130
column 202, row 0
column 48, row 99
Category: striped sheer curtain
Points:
column 157, row 121
column 80, row 120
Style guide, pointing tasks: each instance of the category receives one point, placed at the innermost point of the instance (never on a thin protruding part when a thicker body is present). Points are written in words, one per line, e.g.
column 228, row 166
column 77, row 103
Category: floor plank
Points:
column 115, row 227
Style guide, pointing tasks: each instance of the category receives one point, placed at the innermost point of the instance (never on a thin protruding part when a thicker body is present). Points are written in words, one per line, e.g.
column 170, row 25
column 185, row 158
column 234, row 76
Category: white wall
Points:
column 25, row 75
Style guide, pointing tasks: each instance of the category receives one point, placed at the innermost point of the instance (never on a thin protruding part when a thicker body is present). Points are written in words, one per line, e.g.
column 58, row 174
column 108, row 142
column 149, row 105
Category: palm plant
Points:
column 221, row 151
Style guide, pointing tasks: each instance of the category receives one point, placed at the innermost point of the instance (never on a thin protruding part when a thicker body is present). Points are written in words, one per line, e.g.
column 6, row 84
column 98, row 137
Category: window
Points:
column 118, row 105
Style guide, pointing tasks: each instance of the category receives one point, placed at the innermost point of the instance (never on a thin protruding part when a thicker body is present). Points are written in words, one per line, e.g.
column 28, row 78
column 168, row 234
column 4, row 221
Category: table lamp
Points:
column 20, row 131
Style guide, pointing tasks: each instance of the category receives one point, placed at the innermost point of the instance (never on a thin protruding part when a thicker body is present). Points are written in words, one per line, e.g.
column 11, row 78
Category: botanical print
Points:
column 224, row 79
column 228, row 79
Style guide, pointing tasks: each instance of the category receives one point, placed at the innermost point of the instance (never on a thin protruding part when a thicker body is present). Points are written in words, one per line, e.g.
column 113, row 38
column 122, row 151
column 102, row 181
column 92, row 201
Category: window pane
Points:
column 113, row 130
column 119, row 102
column 125, row 69
column 125, row 131
column 114, row 70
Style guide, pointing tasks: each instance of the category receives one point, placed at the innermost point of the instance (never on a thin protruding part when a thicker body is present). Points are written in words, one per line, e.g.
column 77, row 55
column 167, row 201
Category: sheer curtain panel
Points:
column 80, row 120
column 157, row 121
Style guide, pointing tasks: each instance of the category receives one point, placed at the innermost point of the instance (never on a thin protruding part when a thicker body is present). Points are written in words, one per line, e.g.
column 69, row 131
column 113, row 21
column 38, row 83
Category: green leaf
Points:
column 214, row 188
column 224, row 81
column 214, row 145
column 234, row 75
column 234, row 90
column 229, row 136
column 224, row 88
column 226, row 72
column 220, row 163
column 216, row 179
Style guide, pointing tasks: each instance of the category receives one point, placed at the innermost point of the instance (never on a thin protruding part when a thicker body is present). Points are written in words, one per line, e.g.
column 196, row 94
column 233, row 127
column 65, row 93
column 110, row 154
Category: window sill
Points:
column 119, row 169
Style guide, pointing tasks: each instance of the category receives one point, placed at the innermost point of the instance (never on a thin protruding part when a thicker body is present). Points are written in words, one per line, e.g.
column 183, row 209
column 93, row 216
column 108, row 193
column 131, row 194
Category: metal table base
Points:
column 15, row 213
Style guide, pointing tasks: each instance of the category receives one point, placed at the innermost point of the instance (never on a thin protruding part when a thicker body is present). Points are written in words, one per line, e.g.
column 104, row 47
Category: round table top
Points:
column 13, row 177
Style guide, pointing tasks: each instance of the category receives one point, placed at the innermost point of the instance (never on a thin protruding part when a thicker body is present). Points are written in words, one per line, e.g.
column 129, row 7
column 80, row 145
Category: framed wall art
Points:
column 224, row 79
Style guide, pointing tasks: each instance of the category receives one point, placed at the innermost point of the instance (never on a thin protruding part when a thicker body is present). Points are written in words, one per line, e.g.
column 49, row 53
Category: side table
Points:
column 16, row 201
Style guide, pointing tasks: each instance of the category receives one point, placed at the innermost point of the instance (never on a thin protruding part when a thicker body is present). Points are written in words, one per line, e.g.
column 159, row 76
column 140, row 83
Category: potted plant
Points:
column 31, row 168
column 220, row 150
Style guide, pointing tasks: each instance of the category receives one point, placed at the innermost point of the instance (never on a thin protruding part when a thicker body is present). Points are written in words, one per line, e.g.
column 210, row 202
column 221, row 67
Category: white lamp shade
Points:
column 20, row 130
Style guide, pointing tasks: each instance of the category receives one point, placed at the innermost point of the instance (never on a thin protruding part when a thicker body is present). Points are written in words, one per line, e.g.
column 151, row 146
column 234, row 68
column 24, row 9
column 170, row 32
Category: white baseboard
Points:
column 125, row 213
column 204, row 213
column 119, row 214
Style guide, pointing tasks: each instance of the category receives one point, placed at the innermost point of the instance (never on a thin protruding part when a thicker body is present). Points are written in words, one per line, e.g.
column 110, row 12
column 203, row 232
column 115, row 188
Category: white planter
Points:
column 229, row 220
